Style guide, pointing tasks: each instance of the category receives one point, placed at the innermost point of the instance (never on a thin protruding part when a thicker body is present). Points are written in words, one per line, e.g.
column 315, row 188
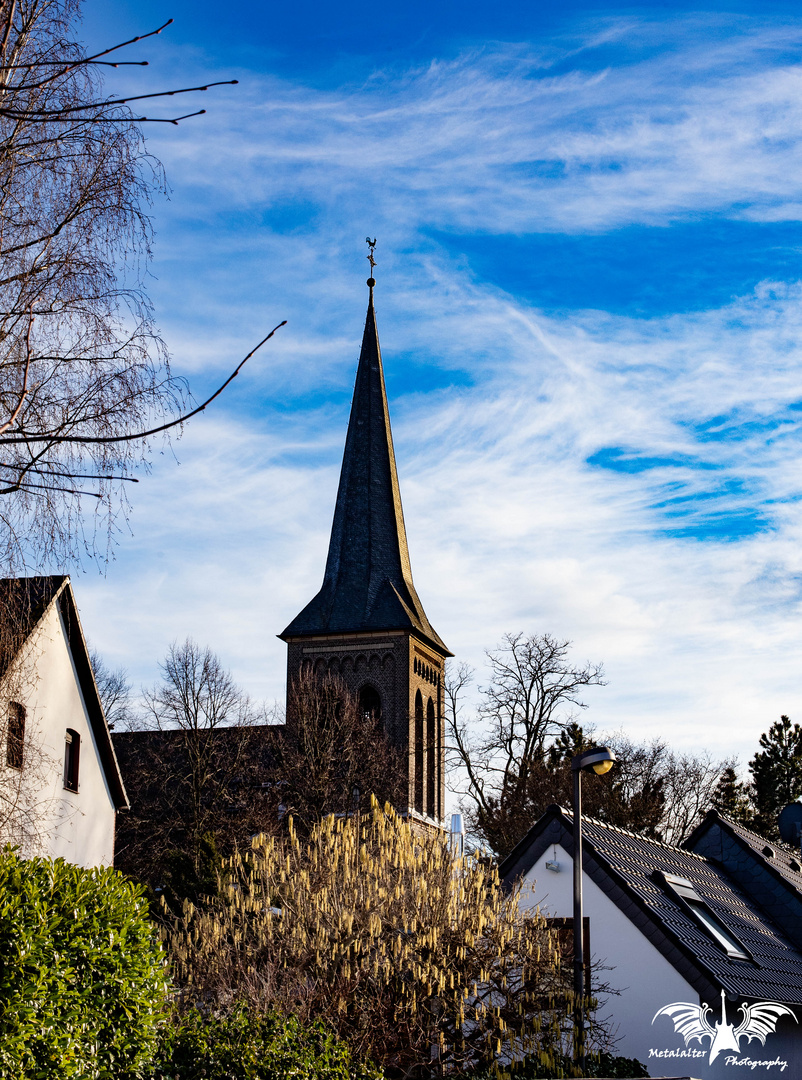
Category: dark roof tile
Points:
column 628, row 860
column 368, row 579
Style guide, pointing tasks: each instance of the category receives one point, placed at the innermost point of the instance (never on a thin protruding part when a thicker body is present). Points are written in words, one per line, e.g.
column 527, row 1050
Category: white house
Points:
column 702, row 943
column 60, row 788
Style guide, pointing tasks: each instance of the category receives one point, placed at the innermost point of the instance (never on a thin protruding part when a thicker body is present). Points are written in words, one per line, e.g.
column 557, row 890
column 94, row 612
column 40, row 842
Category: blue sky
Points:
column 589, row 223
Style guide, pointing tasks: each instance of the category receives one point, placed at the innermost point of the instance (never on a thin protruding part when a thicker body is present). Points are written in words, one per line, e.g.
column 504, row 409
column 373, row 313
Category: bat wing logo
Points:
column 690, row 1021
column 761, row 1019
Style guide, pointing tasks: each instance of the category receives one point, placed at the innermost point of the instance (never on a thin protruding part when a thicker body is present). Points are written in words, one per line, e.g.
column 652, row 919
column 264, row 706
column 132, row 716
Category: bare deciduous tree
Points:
column 114, row 690
column 689, row 787
column 83, row 372
column 195, row 773
column 331, row 757
column 514, row 757
column 533, row 694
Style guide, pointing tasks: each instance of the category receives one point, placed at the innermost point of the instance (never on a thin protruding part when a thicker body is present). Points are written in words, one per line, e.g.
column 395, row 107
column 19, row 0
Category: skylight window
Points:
column 696, row 906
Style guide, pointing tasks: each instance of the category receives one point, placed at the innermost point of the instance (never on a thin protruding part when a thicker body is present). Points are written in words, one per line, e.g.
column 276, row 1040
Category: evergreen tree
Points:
column 776, row 774
column 732, row 797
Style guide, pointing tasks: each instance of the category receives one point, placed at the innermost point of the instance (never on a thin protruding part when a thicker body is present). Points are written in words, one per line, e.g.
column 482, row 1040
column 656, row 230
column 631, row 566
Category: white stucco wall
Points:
column 646, row 981
column 77, row 826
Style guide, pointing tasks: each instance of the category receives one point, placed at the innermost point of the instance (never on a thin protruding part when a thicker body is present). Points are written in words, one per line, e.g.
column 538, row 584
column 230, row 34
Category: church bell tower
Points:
column 367, row 623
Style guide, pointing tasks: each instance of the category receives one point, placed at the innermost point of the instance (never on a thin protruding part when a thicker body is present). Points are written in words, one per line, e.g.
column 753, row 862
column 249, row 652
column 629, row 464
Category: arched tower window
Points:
column 370, row 703
column 431, row 757
column 419, row 752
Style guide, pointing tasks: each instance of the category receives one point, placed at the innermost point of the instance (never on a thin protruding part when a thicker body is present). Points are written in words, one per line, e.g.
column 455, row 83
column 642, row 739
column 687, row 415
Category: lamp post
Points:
column 600, row 759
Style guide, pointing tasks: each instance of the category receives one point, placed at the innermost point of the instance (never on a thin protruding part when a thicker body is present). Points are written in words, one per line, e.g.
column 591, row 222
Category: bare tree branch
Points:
column 85, row 379
column 53, row 436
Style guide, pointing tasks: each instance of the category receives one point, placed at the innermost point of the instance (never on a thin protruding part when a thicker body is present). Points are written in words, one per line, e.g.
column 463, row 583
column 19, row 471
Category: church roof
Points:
column 368, row 581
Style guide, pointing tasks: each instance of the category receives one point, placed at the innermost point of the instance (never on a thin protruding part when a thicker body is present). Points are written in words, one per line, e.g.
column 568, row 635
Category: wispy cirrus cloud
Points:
column 512, row 522
column 630, row 482
column 500, row 141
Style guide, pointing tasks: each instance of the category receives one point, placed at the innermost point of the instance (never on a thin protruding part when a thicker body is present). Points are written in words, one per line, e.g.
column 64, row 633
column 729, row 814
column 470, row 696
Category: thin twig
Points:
column 64, row 475
column 47, row 487
column 94, row 58
column 44, row 114
column 24, row 391
column 52, row 437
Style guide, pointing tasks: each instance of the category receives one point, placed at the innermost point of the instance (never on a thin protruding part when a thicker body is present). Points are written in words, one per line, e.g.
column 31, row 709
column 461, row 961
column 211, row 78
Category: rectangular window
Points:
column 704, row 917
column 72, row 758
column 15, row 735
column 725, row 940
column 565, row 943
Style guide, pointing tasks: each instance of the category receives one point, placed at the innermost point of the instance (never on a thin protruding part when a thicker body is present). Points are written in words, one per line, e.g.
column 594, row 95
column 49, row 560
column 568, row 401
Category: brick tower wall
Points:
column 399, row 667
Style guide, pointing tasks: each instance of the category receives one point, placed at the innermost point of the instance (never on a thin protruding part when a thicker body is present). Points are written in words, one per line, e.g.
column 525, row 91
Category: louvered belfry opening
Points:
column 367, row 624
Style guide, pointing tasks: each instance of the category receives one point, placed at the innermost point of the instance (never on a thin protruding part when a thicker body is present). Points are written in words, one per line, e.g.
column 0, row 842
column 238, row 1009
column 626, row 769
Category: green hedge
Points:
column 604, row 1064
column 82, row 977
column 243, row 1044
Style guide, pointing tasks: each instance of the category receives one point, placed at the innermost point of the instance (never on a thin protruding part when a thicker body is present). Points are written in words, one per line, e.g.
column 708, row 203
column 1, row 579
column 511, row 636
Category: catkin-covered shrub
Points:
column 82, row 976
column 406, row 952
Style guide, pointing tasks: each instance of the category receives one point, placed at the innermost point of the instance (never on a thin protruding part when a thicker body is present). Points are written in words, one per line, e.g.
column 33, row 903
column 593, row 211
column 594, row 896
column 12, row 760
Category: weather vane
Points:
column 371, row 244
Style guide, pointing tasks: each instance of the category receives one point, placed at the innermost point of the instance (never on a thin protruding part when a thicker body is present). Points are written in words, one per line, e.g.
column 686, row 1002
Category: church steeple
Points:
column 368, row 580
column 367, row 625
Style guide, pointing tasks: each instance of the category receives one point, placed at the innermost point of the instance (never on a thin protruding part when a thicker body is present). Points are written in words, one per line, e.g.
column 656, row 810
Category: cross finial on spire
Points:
column 372, row 245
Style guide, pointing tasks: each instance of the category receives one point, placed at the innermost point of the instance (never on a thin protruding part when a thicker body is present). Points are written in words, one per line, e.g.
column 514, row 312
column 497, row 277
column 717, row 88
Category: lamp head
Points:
column 598, row 758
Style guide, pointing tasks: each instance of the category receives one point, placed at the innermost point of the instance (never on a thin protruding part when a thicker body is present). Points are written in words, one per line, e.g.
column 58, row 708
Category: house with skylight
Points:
column 695, row 951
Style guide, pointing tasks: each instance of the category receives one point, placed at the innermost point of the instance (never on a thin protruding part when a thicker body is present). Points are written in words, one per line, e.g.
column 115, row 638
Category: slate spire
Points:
column 368, row 580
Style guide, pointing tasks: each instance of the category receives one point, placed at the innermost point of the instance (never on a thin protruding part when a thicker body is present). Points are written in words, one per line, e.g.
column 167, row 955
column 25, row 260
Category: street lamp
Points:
column 600, row 759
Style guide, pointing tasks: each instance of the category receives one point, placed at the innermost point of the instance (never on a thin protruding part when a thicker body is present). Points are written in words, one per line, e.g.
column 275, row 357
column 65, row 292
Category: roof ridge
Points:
column 786, row 849
column 636, row 836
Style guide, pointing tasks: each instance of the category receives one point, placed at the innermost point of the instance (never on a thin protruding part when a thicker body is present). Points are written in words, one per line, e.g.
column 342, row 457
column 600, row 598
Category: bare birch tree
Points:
column 84, row 375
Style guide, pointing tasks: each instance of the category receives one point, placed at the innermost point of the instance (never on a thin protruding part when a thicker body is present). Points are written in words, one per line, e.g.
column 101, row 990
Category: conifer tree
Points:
column 776, row 774
column 732, row 797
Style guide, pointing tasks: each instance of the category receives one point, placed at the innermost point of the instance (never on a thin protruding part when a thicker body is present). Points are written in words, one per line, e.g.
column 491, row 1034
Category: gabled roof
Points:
column 368, row 580
column 23, row 604
column 626, row 867
column 770, row 872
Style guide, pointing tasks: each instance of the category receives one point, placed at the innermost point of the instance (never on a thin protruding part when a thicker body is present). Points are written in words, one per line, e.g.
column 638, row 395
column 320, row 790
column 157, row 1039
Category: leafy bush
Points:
column 613, row 1065
column 599, row 1064
column 82, row 979
column 379, row 931
column 243, row 1044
